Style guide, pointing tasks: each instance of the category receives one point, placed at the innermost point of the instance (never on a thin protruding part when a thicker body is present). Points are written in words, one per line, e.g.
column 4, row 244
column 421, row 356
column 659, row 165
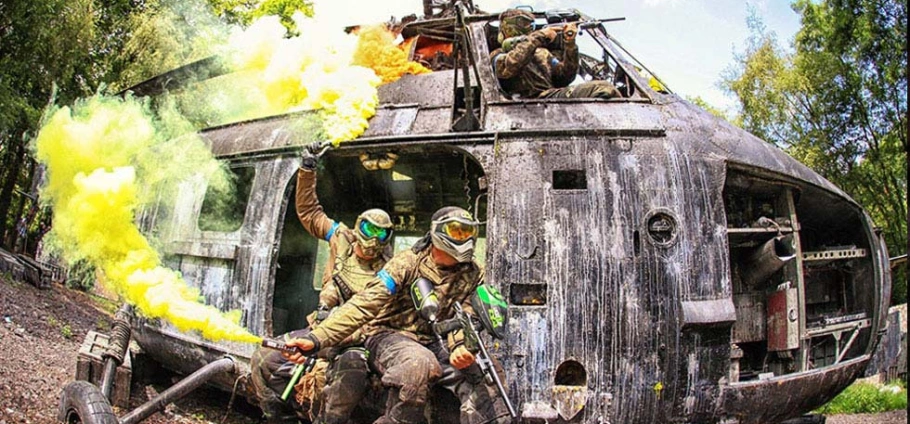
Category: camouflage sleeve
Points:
column 364, row 306
column 509, row 64
column 309, row 211
column 329, row 296
column 565, row 70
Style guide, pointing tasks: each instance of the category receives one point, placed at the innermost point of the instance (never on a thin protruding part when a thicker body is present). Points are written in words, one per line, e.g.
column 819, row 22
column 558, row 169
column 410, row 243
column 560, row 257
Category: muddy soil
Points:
column 40, row 335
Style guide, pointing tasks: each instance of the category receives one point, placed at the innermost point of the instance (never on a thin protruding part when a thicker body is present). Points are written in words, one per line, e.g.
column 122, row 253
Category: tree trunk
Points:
column 13, row 165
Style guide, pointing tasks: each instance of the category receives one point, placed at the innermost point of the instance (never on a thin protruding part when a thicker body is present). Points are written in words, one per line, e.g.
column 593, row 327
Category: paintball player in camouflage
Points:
column 402, row 345
column 526, row 67
column 356, row 255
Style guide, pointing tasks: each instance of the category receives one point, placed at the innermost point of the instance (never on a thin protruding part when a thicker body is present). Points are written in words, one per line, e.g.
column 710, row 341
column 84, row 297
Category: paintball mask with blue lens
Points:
column 374, row 231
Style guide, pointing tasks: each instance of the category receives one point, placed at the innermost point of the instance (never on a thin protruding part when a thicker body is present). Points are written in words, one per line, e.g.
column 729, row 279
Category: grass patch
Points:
column 867, row 398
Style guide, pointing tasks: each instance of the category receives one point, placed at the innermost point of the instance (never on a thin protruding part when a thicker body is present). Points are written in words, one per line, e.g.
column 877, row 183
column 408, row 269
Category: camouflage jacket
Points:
column 385, row 305
column 345, row 274
column 530, row 69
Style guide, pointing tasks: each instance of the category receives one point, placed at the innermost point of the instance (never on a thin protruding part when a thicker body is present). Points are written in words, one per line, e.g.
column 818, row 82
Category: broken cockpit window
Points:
column 601, row 57
column 224, row 206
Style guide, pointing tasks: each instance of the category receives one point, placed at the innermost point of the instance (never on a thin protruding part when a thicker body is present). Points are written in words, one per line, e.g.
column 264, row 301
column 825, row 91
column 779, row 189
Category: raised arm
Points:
column 509, row 64
column 566, row 68
column 309, row 211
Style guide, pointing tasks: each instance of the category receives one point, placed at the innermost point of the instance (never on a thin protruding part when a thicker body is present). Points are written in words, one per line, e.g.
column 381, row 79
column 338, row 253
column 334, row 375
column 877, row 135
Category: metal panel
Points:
column 783, row 320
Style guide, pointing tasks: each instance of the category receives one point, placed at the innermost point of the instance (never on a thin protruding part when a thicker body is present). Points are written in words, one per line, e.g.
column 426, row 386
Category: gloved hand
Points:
column 569, row 33
column 306, row 345
column 310, row 156
column 550, row 33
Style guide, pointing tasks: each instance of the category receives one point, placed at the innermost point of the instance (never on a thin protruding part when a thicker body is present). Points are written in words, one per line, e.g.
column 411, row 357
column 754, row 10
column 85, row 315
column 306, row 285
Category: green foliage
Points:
column 56, row 51
column 838, row 103
column 698, row 101
column 244, row 12
column 166, row 35
column 66, row 331
column 867, row 398
column 81, row 276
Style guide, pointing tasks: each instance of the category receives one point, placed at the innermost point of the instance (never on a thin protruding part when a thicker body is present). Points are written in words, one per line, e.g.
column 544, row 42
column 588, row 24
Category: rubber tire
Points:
column 82, row 402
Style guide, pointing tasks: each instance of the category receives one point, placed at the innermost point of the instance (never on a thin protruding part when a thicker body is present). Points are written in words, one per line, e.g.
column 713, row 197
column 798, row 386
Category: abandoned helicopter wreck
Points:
column 659, row 264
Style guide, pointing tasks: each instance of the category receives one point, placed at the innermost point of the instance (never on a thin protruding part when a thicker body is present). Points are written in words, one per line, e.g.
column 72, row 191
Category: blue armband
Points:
column 331, row 232
column 388, row 281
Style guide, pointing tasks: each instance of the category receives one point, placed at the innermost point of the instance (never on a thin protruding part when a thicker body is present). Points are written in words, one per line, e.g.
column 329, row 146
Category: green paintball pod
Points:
column 425, row 300
column 491, row 308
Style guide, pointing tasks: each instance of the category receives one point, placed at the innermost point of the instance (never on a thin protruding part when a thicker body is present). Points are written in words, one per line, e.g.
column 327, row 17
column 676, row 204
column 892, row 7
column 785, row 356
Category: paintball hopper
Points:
column 425, row 300
column 492, row 309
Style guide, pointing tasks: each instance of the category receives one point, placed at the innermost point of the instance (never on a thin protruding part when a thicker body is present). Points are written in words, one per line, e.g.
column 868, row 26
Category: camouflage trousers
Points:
column 597, row 89
column 347, row 381
column 408, row 370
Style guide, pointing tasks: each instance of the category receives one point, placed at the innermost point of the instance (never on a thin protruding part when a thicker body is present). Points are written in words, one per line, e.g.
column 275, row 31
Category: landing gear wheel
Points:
column 82, row 402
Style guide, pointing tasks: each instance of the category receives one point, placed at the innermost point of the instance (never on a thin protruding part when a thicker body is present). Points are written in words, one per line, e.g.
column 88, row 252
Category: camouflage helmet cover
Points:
column 377, row 218
column 514, row 23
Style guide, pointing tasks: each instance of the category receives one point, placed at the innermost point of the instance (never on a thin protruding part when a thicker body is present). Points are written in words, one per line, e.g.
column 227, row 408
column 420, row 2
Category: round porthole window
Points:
column 662, row 228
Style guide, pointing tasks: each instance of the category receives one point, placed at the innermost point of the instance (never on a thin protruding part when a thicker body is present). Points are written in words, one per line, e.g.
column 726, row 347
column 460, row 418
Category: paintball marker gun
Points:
column 491, row 309
column 560, row 27
column 299, row 369
column 591, row 23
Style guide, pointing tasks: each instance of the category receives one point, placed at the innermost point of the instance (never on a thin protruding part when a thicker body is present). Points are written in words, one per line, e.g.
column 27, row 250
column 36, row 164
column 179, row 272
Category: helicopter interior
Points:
column 409, row 184
column 797, row 261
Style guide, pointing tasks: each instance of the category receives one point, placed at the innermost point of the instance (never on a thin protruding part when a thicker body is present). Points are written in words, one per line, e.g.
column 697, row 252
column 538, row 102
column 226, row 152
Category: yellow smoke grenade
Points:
column 97, row 153
column 377, row 50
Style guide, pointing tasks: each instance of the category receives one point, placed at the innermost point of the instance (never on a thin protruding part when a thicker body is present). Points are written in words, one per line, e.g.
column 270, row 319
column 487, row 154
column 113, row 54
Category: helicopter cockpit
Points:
column 433, row 43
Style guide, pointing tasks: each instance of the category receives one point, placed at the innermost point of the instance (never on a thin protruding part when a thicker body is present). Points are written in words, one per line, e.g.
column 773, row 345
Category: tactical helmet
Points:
column 514, row 23
column 374, row 230
column 454, row 231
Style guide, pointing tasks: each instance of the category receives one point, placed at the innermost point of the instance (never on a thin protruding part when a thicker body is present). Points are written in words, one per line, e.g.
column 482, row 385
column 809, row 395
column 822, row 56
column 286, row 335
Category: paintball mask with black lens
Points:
column 455, row 233
column 374, row 231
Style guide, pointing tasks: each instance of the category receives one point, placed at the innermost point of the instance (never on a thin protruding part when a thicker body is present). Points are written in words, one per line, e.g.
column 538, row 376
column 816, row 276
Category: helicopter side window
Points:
column 224, row 206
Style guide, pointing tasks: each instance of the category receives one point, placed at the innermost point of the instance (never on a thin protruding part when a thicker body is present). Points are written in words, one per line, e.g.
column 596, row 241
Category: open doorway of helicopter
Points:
column 409, row 183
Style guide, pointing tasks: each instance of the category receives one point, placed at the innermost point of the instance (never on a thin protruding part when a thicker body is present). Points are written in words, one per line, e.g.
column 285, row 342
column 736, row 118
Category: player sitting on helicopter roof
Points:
column 356, row 255
column 526, row 67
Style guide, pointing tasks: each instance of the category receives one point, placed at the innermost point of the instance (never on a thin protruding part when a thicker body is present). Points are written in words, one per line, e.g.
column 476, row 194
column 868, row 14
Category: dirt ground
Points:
column 40, row 335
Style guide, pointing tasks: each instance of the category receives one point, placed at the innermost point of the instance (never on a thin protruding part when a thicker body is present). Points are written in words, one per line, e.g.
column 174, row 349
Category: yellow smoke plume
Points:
column 107, row 157
column 323, row 69
column 310, row 72
column 97, row 153
column 377, row 50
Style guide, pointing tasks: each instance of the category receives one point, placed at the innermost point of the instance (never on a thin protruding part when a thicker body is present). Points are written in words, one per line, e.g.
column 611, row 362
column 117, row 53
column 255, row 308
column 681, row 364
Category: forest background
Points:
column 835, row 99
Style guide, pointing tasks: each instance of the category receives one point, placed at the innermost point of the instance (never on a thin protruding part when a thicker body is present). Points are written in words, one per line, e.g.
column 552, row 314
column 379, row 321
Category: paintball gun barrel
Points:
column 591, row 23
column 472, row 339
column 486, row 301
